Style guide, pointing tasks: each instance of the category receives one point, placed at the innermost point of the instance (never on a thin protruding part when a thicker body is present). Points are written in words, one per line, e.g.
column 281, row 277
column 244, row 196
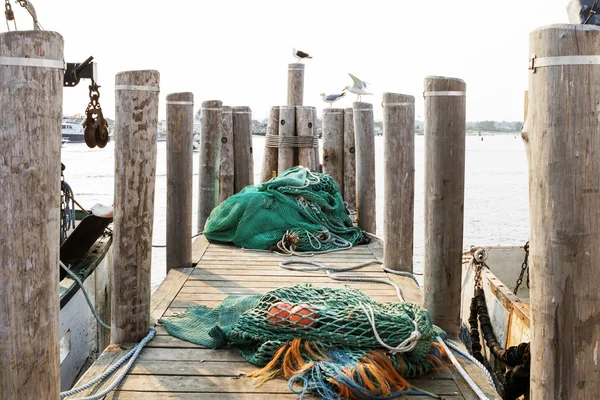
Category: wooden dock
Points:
column 169, row 368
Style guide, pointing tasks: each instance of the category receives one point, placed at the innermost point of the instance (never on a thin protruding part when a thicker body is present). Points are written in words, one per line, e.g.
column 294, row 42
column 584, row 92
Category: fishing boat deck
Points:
column 170, row 368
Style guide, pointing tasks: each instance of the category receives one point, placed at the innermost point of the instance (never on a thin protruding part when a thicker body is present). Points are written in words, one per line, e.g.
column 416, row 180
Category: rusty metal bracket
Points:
column 77, row 71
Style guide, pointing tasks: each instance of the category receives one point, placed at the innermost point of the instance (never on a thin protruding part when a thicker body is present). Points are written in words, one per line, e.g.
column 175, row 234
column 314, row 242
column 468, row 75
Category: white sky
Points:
column 238, row 51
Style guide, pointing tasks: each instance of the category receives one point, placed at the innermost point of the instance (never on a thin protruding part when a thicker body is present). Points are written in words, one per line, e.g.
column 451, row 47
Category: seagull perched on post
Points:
column 300, row 55
column 332, row 98
column 358, row 87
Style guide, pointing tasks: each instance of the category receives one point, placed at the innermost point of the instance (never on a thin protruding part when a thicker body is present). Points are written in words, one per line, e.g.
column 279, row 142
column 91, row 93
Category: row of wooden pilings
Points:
column 563, row 150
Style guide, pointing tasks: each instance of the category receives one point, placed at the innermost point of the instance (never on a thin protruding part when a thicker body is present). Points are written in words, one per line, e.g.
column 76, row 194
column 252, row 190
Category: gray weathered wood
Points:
column 210, row 146
column 287, row 127
column 180, row 131
column 316, row 153
column 349, row 192
column 364, row 130
column 136, row 123
column 295, row 93
column 564, row 191
column 305, row 127
column 242, row 143
column 30, row 137
column 399, row 180
column 444, row 199
column 227, row 164
column 333, row 144
column 269, row 168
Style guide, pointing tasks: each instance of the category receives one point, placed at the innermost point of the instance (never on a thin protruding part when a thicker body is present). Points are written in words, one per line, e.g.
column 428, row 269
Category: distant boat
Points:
column 73, row 132
column 64, row 141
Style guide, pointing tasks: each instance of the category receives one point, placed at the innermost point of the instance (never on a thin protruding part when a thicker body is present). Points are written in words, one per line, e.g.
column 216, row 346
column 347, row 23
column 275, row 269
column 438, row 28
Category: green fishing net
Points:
column 331, row 340
column 300, row 209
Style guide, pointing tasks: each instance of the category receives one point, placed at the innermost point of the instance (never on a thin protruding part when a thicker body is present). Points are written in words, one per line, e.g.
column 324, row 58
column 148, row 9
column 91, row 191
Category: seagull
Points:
column 358, row 88
column 300, row 54
column 332, row 98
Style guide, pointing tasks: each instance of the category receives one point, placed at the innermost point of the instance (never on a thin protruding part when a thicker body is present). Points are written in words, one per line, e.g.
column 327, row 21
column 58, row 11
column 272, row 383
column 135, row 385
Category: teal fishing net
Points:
column 300, row 210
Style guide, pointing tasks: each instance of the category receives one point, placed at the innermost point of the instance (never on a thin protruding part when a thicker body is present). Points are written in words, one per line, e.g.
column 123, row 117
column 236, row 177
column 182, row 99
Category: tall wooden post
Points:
column 399, row 180
column 180, row 132
column 269, row 169
column 210, row 145
column 31, row 86
column 333, row 144
column 445, row 110
column 304, row 128
column 349, row 192
column 227, row 164
column 295, row 92
column 316, row 135
column 364, row 129
column 287, row 128
column 564, row 191
column 242, row 142
column 136, row 124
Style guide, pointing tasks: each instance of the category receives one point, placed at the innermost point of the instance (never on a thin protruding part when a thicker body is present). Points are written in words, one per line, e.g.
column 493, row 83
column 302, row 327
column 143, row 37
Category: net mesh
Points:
column 319, row 337
column 301, row 209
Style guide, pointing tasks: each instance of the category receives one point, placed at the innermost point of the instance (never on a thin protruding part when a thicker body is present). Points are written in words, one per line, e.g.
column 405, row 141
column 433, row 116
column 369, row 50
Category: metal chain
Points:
column 63, row 206
column 9, row 14
column 524, row 267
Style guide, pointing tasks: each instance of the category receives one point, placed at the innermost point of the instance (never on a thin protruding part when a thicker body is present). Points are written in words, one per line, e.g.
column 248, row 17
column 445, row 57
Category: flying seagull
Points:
column 358, row 87
column 300, row 54
column 332, row 98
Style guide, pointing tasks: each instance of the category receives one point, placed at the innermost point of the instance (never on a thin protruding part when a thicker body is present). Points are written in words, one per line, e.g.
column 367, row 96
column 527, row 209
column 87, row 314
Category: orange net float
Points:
column 278, row 313
column 303, row 316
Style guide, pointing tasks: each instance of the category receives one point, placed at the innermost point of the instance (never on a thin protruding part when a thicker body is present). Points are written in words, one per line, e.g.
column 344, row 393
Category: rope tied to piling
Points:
column 277, row 141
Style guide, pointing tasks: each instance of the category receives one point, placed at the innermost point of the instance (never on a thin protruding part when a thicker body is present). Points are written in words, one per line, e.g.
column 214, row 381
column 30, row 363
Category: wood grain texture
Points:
column 136, row 122
column 242, row 142
column 349, row 156
column 30, row 139
column 333, row 144
column 210, row 150
column 444, row 200
column 180, row 131
column 304, row 127
column 317, row 152
column 564, row 192
column 364, row 130
column 269, row 168
column 399, row 180
column 295, row 91
column 227, row 163
column 287, row 127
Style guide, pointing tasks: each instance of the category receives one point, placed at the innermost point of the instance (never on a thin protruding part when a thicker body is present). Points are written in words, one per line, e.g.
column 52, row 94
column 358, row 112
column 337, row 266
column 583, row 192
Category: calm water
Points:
column 496, row 203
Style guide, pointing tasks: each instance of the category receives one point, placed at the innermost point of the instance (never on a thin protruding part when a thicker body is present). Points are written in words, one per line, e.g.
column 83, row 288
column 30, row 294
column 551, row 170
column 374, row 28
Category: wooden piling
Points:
column 305, row 128
column 333, row 144
column 399, row 180
column 317, row 155
column 180, row 132
column 445, row 110
column 364, row 130
column 30, row 139
column 210, row 145
column 564, row 191
column 295, row 93
column 269, row 169
column 242, row 143
column 287, row 128
column 136, row 124
column 349, row 192
column 227, row 164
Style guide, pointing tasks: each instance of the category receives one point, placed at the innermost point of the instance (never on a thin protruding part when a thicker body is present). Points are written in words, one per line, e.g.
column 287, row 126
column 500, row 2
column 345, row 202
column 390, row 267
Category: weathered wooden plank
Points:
column 285, row 280
column 136, row 121
column 30, row 115
column 199, row 246
column 137, row 395
column 194, row 285
column 281, row 272
column 167, row 290
column 164, row 340
column 375, row 289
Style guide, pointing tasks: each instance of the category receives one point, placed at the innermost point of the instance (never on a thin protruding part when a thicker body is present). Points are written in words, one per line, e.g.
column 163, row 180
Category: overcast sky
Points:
column 238, row 51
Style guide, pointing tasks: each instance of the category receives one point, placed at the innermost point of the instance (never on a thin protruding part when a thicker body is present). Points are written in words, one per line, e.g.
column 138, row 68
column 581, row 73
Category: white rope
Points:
column 407, row 345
